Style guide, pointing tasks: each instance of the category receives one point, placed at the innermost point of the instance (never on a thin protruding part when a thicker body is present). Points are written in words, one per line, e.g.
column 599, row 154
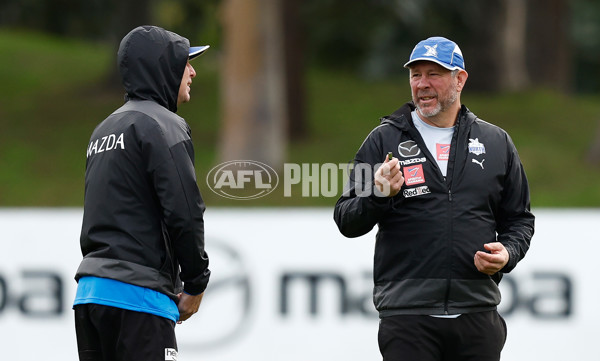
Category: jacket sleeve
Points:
column 515, row 222
column 360, row 208
column 174, row 179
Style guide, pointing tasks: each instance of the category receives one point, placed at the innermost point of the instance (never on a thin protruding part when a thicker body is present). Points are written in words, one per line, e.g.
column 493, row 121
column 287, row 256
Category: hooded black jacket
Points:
column 429, row 233
column 143, row 213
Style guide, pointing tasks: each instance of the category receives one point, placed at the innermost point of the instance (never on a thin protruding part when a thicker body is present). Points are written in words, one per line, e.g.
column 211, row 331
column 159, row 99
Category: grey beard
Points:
column 440, row 107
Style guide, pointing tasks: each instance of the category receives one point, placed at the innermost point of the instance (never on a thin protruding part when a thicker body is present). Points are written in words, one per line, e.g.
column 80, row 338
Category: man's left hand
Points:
column 188, row 305
column 490, row 263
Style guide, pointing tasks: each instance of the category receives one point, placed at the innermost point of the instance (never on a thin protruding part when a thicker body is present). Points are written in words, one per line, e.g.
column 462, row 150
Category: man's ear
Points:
column 461, row 79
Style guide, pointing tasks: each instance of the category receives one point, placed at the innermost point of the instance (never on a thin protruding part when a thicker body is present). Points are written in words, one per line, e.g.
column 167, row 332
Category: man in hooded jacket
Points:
column 144, row 267
column 452, row 207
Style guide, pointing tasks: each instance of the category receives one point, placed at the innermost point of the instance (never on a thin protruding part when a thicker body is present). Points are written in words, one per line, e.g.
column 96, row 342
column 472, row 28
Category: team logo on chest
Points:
column 476, row 147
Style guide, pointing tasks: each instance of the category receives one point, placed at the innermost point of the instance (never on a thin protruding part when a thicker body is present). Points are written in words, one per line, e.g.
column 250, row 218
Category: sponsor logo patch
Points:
column 170, row 354
column 443, row 151
column 413, row 175
column 412, row 161
column 418, row 191
column 409, row 149
column 478, row 162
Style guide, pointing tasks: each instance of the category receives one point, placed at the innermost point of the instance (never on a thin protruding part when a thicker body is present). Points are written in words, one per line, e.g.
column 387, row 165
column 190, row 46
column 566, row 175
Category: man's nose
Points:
column 423, row 82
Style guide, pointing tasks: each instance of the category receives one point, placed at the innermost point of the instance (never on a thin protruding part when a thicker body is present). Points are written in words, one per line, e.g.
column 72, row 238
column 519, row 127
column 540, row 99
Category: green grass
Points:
column 53, row 93
column 43, row 118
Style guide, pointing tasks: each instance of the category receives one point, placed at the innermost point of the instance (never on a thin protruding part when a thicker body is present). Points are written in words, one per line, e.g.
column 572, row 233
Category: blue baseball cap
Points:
column 197, row 50
column 439, row 50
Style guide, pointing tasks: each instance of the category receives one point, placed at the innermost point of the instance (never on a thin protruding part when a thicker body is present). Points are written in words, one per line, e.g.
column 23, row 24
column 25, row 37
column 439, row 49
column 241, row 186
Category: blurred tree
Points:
column 91, row 19
column 513, row 45
column 125, row 16
column 294, row 63
column 253, row 82
column 507, row 43
column 106, row 20
column 509, row 39
column 557, row 40
column 593, row 156
column 585, row 30
column 482, row 41
column 339, row 33
column 586, row 35
column 196, row 20
column 549, row 44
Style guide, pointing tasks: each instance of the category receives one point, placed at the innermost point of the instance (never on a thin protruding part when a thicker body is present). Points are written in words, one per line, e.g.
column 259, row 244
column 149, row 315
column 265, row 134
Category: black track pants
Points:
column 107, row 333
column 470, row 337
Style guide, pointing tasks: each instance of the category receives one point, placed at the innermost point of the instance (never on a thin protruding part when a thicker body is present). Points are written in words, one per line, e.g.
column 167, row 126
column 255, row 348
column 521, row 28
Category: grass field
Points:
column 53, row 92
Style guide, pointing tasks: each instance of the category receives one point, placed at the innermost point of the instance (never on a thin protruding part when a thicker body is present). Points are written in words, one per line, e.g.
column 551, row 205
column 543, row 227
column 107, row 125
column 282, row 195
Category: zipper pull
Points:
column 449, row 195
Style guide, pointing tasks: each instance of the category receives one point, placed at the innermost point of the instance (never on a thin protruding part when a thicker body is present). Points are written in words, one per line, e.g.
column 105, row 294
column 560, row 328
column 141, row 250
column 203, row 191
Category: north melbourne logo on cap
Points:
column 431, row 51
column 438, row 50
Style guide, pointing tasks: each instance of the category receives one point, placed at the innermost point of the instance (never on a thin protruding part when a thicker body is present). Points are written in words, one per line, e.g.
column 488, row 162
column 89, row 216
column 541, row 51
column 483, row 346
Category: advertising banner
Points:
column 286, row 285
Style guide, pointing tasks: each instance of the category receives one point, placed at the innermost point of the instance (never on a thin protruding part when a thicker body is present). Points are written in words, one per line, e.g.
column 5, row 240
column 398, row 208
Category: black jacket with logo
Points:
column 429, row 233
column 143, row 213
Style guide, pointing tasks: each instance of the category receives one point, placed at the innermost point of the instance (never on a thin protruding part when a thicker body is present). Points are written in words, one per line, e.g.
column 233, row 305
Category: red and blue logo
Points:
column 443, row 151
column 413, row 175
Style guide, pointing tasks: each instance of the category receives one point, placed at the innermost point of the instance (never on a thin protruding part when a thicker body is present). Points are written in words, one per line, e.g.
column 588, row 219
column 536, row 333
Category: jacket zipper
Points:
column 449, row 178
column 448, row 279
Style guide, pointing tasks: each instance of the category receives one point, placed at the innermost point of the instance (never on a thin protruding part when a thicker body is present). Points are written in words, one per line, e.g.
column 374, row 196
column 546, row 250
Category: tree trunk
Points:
column 514, row 47
column 253, row 82
column 484, row 45
column 294, row 70
column 516, row 44
column 548, row 45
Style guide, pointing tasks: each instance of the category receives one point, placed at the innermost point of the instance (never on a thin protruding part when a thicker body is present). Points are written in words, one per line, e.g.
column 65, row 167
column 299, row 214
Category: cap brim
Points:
column 196, row 51
column 434, row 61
